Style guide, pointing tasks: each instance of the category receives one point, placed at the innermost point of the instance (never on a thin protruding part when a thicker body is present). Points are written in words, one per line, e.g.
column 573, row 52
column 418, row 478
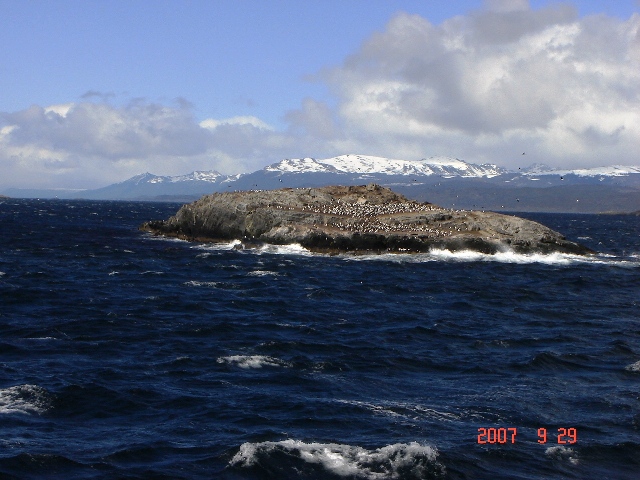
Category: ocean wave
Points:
column 253, row 361
column 196, row 283
column 509, row 256
column 405, row 410
column 291, row 249
column 161, row 238
column 262, row 273
column 400, row 460
column 562, row 453
column 268, row 248
column 29, row 399
column 232, row 245
column 634, row 367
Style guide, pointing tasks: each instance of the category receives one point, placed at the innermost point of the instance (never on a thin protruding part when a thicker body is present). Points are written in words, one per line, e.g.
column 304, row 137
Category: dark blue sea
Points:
column 126, row 356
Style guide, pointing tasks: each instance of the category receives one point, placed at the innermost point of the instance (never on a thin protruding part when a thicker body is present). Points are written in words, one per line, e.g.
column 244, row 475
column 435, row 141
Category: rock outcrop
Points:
column 355, row 219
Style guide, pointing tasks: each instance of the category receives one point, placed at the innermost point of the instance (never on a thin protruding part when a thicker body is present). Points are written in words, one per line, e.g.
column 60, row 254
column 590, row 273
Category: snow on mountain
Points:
column 609, row 171
column 368, row 165
column 536, row 169
column 200, row 176
column 141, row 178
column 299, row 165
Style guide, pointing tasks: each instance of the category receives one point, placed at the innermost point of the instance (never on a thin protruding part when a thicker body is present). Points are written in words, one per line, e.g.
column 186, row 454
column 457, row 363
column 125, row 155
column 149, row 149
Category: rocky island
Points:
column 357, row 219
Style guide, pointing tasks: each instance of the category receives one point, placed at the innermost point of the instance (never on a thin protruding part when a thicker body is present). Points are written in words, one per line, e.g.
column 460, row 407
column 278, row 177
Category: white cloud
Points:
column 483, row 87
column 90, row 145
column 495, row 81
column 61, row 110
column 212, row 124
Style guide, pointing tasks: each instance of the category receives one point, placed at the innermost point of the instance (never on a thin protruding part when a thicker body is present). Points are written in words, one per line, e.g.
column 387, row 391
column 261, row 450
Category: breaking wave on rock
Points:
column 435, row 255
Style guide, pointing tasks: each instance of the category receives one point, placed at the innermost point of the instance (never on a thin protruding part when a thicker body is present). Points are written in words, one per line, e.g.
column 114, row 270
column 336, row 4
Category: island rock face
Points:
column 360, row 219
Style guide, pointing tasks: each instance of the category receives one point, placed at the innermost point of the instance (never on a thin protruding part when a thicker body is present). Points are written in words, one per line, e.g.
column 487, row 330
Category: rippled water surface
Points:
column 128, row 356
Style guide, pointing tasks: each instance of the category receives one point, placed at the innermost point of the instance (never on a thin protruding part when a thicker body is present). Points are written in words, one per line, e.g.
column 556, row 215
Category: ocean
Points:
column 127, row 356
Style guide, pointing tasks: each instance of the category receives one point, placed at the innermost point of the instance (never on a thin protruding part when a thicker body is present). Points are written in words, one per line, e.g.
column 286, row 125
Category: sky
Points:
column 94, row 92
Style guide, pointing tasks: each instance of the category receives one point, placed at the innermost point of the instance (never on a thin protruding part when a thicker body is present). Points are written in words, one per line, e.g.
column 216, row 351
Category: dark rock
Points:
column 355, row 219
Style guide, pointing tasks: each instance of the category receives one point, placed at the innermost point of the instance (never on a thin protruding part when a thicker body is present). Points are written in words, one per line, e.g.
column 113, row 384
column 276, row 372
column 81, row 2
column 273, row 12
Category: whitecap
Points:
column 290, row 249
column 232, row 245
column 262, row 273
column 400, row 460
column 196, row 283
column 560, row 452
column 29, row 399
column 509, row 256
column 151, row 236
column 253, row 361
column 634, row 367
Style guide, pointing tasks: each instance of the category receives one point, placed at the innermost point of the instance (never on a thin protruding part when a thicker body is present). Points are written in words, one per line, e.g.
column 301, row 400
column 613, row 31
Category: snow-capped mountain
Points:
column 150, row 186
column 371, row 165
column 609, row 171
column 198, row 176
column 446, row 181
column 535, row 168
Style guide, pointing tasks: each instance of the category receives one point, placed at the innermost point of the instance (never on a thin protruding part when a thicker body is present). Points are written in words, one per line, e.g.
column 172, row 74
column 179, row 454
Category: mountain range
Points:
column 445, row 181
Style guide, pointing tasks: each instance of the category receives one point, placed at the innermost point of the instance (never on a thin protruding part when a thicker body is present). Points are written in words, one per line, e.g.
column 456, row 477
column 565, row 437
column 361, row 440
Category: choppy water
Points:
column 127, row 356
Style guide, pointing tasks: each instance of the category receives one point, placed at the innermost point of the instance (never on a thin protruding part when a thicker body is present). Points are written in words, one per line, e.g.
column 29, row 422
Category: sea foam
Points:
column 262, row 273
column 400, row 460
column 253, row 361
column 29, row 399
column 634, row 367
column 562, row 453
column 509, row 256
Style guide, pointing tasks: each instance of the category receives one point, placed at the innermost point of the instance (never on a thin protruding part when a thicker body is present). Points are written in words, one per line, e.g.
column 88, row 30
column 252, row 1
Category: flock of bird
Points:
column 369, row 209
column 364, row 217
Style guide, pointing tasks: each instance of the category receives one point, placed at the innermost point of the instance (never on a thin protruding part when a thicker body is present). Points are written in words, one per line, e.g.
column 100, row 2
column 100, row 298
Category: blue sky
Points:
column 95, row 91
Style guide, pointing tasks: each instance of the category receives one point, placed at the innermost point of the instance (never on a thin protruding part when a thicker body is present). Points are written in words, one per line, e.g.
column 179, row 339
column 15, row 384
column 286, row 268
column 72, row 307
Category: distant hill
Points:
column 446, row 181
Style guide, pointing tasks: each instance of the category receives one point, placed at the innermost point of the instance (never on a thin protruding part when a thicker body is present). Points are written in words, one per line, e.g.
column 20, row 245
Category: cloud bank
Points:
column 483, row 87
column 80, row 144
column 498, row 82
